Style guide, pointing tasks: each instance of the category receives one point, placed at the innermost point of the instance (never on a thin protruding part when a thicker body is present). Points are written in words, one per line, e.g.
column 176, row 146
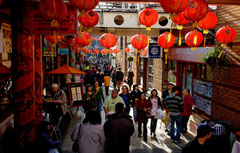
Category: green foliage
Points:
column 214, row 58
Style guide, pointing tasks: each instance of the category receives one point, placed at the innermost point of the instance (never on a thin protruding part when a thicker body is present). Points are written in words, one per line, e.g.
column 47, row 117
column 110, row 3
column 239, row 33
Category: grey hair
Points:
column 54, row 86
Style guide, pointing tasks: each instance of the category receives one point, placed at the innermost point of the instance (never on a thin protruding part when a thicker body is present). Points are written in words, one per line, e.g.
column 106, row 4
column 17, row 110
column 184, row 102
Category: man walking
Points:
column 111, row 101
column 118, row 130
column 175, row 107
column 119, row 78
column 188, row 103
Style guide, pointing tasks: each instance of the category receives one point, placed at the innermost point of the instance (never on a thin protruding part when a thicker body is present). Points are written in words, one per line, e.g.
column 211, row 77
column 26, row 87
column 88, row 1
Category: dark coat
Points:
column 141, row 114
column 135, row 96
column 126, row 103
column 164, row 95
column 118, row 130
column 119, row 76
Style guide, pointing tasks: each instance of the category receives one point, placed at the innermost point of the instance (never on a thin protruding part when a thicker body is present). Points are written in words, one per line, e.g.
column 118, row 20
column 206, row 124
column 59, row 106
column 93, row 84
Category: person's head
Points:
column 119, row 69
column 114, row 93
column 93, row 117
column 54, row 88
column 170, row 86
column 176, row 90
column 186, row 92
column 119, row 108
column 89, row 87
column 125, row 89
column 154, row 93
column 238, row 136
column 135, row 87
column 96, row 84
column 204, row 131
column 143, row 96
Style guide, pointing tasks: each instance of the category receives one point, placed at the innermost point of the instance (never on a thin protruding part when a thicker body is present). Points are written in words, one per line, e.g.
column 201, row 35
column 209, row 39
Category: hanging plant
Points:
column 218, row 56
column 130, row 58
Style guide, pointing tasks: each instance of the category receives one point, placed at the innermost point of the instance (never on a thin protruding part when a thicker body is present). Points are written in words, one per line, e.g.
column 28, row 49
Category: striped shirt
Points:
column 174, row 104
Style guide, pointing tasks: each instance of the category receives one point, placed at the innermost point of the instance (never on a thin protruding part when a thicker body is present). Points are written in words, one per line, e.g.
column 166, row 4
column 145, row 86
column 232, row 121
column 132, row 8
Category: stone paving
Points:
column 161, row 144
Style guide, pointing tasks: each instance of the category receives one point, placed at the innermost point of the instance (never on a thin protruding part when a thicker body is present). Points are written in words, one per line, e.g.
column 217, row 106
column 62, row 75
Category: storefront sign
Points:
column 188, row 55
column 63, row 51
column 38, row 25
column 154, row 51
column 6, row 38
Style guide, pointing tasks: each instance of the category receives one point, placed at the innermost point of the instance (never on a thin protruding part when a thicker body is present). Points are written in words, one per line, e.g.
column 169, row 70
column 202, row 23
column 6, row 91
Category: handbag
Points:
column 75, row 144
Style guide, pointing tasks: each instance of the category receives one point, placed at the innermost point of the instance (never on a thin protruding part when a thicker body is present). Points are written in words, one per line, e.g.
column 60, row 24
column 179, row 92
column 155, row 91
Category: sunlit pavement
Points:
column 161, row 144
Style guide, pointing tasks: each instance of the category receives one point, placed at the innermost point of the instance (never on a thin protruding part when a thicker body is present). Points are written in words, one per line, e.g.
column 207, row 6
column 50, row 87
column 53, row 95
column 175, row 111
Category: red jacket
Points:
column 188, row 104
column 141, row 114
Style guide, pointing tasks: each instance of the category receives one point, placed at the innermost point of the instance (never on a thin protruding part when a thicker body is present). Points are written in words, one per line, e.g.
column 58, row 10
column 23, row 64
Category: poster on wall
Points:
column 6, row 38
column 202, row 104
column 202, row 88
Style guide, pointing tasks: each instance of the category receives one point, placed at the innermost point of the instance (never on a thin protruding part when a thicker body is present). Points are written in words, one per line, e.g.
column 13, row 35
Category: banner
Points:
column 39, row 25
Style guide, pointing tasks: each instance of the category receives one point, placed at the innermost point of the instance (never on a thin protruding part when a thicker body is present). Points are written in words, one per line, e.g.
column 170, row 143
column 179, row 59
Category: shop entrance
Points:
column 186, row 76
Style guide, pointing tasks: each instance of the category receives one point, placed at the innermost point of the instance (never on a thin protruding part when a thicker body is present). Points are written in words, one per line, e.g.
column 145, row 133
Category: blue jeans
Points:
column 99, row 106
column 178, row 120
column 134, row 112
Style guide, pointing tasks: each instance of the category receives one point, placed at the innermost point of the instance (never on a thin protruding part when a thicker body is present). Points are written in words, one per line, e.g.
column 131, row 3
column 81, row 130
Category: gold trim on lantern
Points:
column 205, row 32
column 148, row 28
column 179, row 27
column 195, row 24
column 194, row 48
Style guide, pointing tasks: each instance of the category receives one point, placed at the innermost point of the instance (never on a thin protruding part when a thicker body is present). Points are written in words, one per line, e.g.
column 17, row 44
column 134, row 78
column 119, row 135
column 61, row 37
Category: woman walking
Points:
column 90, row 99
column 155, row 101
column 99, row 95
column 143, row 107
column 126, row 98
column 89, row 134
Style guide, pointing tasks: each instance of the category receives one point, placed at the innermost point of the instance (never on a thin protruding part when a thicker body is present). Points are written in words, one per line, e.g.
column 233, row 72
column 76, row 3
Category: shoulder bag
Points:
column 75, row 144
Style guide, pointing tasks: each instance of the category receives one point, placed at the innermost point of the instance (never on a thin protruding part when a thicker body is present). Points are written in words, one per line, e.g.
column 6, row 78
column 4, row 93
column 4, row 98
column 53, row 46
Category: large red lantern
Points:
column 139, row 42
column 84, row 40
column 89, row 20
column 84, row 5
column 108, row 40
column 196, row 11
column 208, row 22
column 53, row 9
column 148, row 17
column 194, row 39
column 180, row 21
column 54, row 38
column 226, row 35
column 166, row 40
column 174, row 6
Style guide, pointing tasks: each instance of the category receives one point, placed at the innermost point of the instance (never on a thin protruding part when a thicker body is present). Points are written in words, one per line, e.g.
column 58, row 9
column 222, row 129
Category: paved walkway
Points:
column 161, row 144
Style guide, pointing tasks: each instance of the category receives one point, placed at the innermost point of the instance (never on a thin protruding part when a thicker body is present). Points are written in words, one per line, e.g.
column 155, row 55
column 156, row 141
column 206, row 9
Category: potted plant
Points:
column 218, row 56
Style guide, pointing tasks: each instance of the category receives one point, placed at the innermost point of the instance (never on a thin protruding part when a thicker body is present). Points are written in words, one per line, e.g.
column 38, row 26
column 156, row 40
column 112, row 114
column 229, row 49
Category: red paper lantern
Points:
column 226, row 35
column 77, row 48
column 111, row 51
column 127, row 50
column 194, row 39
column 54, row 38
column 116, row 51
column 166, row 40
column 89, row 20
column 86, row 50
column 104, row 51
column 139, row 42
column 196, row 11
column 148, row 17
column 84, row 5
column 180, row 21
column 208, row 22
column 174, row 6
column 53, row 9
column 84, row 40
column 108, row 40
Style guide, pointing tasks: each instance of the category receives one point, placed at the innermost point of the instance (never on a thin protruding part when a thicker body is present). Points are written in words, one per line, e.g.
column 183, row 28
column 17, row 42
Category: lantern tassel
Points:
column 148, row 39
column 180, row 38
column 195, row 38
column 89, row 30
column 166, row 58
column 205, row 38
column 219, row 56
column 169, row 36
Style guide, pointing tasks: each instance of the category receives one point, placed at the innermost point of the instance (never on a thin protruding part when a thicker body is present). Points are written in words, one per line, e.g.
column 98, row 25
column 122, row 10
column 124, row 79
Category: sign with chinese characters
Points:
column 38, row 25
column 154, row 51
column 188, row 55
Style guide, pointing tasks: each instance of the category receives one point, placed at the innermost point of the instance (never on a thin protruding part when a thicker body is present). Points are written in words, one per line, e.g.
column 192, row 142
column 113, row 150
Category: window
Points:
column 200, row 71
column 150, row 74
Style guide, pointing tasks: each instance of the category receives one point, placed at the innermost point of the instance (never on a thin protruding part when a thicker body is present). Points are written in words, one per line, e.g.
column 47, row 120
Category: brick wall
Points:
column 157, row 74
column 226, row 80
column 226, row 95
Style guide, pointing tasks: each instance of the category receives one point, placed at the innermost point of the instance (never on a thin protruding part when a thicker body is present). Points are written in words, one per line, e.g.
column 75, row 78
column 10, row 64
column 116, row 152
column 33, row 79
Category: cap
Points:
column 203, row 129
column 171, row 83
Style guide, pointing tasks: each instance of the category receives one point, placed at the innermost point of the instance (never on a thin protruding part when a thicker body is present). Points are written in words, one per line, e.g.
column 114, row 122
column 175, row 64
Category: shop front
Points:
column 186, row 69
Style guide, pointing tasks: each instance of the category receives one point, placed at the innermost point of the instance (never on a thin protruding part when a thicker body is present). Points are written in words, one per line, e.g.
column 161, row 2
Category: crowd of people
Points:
column 118, row 128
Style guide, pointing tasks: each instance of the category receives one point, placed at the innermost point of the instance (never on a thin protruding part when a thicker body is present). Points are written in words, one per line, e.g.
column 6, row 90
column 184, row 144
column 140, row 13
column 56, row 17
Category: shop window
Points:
column 150, row 74
column 172, row 71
